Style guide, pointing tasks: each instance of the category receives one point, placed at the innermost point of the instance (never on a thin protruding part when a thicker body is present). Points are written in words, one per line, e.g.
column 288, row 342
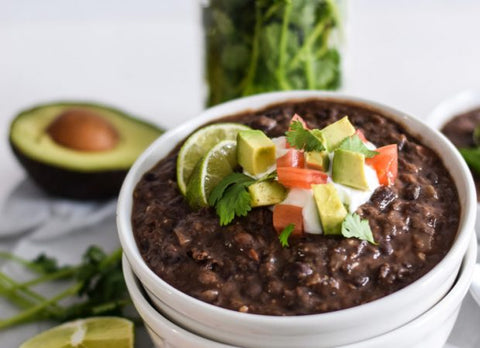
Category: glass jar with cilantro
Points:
column 254, row 46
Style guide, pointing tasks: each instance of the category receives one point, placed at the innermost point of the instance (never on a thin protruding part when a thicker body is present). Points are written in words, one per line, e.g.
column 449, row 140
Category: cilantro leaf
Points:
column 355, row 144
column 285, row 234
column 219, row 191
column 235, row 202
column 354, row 227
column 303, row 139
column 45, row 264
column 472, row 157
column 231, row 198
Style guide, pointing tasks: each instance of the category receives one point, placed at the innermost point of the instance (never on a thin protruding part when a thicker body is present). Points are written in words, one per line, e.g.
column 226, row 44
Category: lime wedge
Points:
column 100, row 332
column 216, row 164
column 198, row 144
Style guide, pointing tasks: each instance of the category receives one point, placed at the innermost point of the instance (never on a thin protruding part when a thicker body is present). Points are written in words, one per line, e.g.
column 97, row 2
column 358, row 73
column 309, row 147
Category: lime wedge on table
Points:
column 198, row 144
column 216, row 164
column 101, row 332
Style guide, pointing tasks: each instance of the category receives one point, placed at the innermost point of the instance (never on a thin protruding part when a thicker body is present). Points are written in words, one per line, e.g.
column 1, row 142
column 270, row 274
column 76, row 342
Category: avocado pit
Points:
column 83, row 130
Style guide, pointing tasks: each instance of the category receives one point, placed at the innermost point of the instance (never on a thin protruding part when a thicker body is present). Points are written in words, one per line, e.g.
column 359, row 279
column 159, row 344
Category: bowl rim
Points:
column 459, row 103
column 152, row 281
column 458, row 290
column 139, row 298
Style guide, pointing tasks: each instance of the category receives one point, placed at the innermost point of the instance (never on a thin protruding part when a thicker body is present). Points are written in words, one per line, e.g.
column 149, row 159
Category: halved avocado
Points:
column 79, row 150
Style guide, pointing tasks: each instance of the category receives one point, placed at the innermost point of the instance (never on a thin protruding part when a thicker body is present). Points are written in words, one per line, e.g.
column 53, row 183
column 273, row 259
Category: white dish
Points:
column 449, row 108
column 444, row 112
column 319, row 330
column 431, row 329
column 163, row 332
column 459, row 103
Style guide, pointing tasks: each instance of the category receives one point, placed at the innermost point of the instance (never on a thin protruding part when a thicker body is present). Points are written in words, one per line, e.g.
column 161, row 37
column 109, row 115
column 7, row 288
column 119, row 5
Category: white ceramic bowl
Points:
column 319, row 330
column 431, row 329
column 449, row 108
column 441, row 114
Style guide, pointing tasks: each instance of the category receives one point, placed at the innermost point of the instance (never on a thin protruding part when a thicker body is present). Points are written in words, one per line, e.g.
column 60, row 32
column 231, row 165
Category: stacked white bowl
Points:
column 430, row 329
column 449, row 108
column 431, row 303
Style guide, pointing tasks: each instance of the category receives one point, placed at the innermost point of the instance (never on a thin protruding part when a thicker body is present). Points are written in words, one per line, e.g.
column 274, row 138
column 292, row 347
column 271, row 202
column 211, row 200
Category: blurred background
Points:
column 146, row 57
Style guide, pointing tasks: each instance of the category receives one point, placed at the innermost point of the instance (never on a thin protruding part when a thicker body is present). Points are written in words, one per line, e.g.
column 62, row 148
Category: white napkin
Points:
column 32, row 223
column 28, row 208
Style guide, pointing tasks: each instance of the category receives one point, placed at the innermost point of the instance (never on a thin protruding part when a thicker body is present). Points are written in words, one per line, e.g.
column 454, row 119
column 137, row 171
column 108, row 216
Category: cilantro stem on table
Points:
column 19, row 301
column 96, row 288
column 63, row 273
column 29, row 298
column 35, row 266
column 30, row 313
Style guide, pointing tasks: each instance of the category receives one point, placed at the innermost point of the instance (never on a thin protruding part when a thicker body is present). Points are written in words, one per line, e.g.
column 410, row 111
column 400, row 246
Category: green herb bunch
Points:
column 254, row 46
column 96, row 288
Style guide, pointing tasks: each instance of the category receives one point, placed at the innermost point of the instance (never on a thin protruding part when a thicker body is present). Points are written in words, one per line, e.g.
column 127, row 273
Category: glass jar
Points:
column 255, row 46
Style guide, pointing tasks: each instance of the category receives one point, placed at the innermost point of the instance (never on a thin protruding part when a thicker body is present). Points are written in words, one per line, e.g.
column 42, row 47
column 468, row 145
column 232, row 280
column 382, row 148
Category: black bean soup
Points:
column 459, row 130
column 243, row 267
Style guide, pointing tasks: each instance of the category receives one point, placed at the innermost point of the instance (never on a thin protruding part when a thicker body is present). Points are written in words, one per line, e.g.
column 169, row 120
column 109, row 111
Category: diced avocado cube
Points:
column 348, row 168
column 255, row 151
column 317, row 160
column 266, row 193
column 330, row 208
column 332, row 135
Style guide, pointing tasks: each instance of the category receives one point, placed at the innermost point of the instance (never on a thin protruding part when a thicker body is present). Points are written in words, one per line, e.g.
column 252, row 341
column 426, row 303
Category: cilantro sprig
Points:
column 259, row 46
column 231, row 197
column 97, row 288
column 355, row 144
column 354, row 227
column 285, row 234
column 303, row 139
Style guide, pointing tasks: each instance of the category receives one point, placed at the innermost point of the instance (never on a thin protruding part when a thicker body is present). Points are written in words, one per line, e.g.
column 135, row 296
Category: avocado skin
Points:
column 70, row 184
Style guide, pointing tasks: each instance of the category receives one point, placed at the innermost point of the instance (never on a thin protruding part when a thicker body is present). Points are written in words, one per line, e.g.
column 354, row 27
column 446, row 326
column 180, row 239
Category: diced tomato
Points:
column 298, row 118
column 361, row 136
column 285, row 214
column 300, row 177
column 385, row 164
column 293, row 158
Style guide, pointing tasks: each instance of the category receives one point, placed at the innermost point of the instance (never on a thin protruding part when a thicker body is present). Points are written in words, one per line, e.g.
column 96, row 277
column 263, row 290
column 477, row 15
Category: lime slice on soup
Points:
column 216, row 164
column 102, row 332
column 198, row 144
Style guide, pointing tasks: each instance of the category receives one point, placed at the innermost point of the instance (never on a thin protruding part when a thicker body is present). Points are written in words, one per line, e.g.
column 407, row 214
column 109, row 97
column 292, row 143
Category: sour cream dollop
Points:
column 350, row 197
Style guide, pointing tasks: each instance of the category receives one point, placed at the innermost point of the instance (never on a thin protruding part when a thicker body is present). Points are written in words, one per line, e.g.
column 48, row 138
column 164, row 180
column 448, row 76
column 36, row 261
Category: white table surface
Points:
column 145, row 57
